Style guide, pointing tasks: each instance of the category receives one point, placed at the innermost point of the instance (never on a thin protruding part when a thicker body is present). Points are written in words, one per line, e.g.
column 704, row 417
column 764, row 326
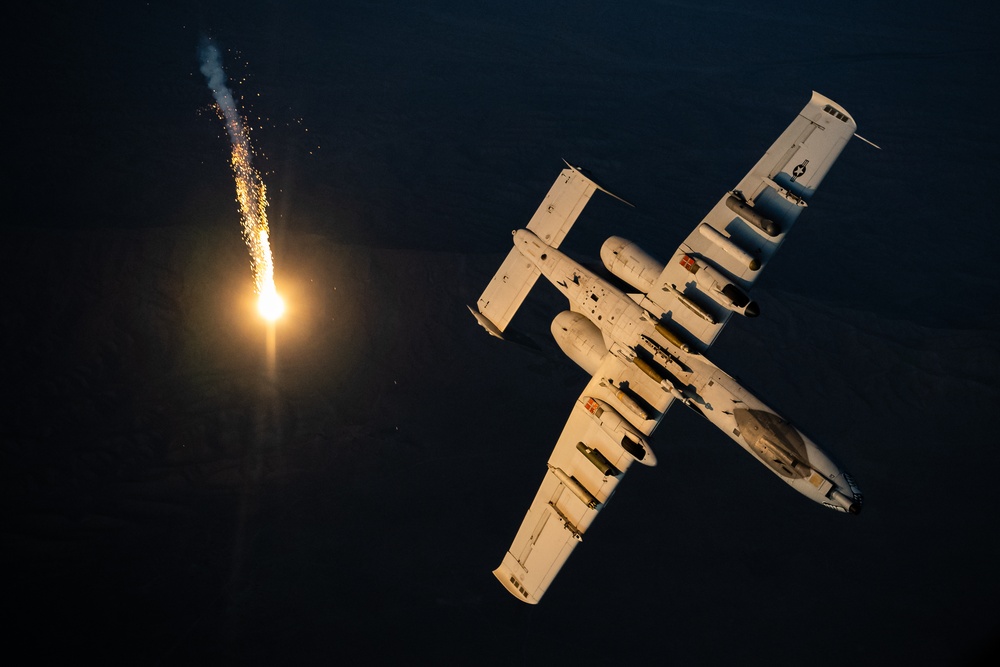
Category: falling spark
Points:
column 250, row 191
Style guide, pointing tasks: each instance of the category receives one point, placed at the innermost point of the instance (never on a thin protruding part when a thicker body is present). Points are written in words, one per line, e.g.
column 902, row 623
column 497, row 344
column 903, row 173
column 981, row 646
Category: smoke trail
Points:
column 250, row 191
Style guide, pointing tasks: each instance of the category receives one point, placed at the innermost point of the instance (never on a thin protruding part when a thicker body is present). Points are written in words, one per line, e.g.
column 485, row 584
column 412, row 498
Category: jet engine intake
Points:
column 629, row 262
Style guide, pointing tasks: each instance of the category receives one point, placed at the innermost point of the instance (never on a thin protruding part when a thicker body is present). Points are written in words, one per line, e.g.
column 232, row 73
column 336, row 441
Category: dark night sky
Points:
column 165, row 500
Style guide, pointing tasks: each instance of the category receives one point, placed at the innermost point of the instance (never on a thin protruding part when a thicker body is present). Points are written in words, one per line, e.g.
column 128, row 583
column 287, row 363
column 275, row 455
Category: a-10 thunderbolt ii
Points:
column 645, row 349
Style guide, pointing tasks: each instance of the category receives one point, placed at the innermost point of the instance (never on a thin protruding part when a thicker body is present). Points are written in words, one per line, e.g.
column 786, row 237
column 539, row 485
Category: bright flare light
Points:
column 251, row 195
column 270, row 305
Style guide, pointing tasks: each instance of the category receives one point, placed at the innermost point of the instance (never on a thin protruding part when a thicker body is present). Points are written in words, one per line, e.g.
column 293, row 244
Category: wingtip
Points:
column 510, row 582
column 485, row 323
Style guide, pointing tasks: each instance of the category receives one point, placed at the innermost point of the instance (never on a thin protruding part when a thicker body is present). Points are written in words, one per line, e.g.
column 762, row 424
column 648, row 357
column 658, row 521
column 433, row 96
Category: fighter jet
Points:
column 645, row 349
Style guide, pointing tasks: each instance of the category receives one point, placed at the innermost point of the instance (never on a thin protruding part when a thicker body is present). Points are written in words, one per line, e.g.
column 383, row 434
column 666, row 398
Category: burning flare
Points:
column 250, row 191
column 269, row 303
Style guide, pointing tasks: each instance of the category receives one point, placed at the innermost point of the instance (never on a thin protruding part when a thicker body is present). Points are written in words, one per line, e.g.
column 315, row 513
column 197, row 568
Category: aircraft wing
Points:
column 588, row 462
column 746, row 227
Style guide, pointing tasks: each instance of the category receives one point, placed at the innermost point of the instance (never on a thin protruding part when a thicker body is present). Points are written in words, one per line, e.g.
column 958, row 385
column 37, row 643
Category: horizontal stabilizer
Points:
column 563, row 204
column 491, row 328
column 506, row 292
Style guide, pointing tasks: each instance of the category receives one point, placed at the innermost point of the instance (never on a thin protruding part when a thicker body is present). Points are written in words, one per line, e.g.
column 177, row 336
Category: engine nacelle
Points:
column 580, row 339
column 719, row 287
column 629, row 262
